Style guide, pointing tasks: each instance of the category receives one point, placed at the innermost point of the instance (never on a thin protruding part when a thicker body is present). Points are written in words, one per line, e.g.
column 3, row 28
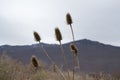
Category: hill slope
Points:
column 93, row 56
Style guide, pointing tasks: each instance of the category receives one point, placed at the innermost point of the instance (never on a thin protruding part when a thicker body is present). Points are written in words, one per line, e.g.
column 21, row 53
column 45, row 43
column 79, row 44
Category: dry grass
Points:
column 12, row 70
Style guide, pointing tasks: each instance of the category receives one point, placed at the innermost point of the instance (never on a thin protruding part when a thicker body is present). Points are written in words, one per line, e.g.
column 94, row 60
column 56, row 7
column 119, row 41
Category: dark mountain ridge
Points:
column 93, row 56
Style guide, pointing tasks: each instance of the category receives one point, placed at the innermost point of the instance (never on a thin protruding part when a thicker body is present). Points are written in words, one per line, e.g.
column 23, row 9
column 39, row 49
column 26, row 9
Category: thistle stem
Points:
column 72, row 32
column 74, row 41
column 78, row 63
column 51, row 60
column 46, row 53
column 74, row 66
column 66, row 64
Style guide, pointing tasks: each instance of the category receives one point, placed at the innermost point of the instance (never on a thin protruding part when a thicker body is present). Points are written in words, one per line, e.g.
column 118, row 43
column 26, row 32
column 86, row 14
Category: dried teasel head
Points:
column 74, row 49
column 34, row 61
column 58, row 34
column 36, row 36
column 69, row 19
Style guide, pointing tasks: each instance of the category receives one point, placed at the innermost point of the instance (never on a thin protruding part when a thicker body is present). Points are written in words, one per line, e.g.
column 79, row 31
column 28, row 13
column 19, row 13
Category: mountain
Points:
column 93, row 56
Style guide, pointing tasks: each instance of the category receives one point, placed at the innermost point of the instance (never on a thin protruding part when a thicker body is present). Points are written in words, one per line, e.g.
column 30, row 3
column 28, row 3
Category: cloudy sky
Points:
column 97, row 20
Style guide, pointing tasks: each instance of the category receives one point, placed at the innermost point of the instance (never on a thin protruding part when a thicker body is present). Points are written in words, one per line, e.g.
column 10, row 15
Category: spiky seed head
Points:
column 74, row 49
column 69, row 19
column 58, row 34
column 34, row 61
column 36, row 36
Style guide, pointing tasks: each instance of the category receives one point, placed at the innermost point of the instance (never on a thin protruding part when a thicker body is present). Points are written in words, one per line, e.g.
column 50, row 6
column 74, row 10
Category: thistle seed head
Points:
column 58, row 34
column 74, row 49
column 69, row 19
column 36, row 36
column 34, row 61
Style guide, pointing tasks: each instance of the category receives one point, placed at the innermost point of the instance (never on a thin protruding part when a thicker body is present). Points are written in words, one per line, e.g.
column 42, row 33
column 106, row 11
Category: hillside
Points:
column 93, row 56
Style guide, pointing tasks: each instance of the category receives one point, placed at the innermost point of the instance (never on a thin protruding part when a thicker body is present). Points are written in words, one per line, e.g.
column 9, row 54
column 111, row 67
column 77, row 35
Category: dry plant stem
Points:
column 59, row 71
column 66, row 64
column 72, row 32
column 74, row 57
column 74, row 41
column 62, row 75
column 51, row 60
column 46, row 53
column 78, row 63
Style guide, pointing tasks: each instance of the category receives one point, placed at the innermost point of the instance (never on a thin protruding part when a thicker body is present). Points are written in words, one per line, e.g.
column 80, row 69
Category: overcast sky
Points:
column 97, row 20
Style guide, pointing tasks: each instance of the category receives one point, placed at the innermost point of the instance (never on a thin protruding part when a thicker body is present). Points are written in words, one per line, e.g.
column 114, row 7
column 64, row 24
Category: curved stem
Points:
column 72, row 32
column 46, row 53
column 74, row 41
column 51, row 60
column 73, row 67
column 78, row 63
column 65, row 60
